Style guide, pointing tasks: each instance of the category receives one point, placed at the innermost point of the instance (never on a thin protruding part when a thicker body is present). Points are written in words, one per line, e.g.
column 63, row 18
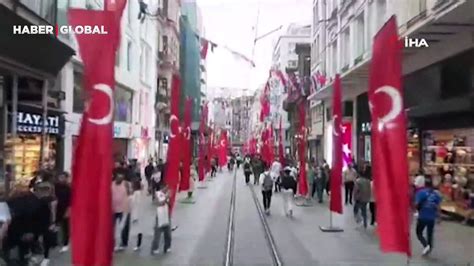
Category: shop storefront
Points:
column 120, row 142
column 444, row 113
column 363, row 127
column 24, row 151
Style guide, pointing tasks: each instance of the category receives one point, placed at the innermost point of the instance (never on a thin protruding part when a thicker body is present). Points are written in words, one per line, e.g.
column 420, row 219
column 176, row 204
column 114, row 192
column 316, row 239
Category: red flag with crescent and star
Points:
column 389, row 141
column 186, row 144
column 202, row 145
column 223, row 146
column 336, row 167
column 91, row 208
column 281, row 152
column 303, row 181
column 172, row 172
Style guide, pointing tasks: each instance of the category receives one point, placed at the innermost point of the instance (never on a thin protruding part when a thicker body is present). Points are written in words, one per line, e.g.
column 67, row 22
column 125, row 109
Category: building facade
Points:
column 168, row 30
column 30, row 92
column 436, row 78
column 135, row 73
column 241, row 119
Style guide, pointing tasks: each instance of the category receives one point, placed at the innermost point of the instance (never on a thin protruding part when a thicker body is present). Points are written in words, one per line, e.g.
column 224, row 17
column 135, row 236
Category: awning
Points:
column 43, row 55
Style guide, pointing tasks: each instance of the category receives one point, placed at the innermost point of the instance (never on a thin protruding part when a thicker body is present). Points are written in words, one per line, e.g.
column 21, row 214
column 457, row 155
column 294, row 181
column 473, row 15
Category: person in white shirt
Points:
column 288, row 184
column 162, row 221
column 350, row 175
column 136, row 214
column 275, row 171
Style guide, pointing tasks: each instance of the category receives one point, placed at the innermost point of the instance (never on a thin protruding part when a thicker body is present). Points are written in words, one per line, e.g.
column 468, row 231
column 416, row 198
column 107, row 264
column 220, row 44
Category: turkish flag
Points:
column 223, row 145
column 389, row 141
column 281, row 152
column 186, row 144
column 172, row 173
column 202, row 145
column 204, row 48
column 336, row 167
column 303, row 182
column 91, row 210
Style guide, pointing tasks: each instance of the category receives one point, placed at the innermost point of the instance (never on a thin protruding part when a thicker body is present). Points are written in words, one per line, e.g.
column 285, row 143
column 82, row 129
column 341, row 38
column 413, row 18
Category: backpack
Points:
column 287, row 182
column 267, row 183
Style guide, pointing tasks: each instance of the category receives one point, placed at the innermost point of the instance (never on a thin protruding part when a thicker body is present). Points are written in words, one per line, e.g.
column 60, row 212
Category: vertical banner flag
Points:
column 202, row 145
column 302, row 182
column 336, row 167
column 281, row 152
column 174, row 150
column 271, row 145
column 389, row 141
column 91, row 210
column 223, row 148
column 186, row 144
column 346, row 144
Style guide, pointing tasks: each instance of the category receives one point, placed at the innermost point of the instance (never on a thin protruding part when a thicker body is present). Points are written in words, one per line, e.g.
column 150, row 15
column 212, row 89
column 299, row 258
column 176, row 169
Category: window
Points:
column 123, row 105
column 334, row 58
column 129, row 56
column 78, row 98
column 360, row 35
column 345, row 48
column 315, row 17
column 381, row 12
column 129, row 12
column 145, row 57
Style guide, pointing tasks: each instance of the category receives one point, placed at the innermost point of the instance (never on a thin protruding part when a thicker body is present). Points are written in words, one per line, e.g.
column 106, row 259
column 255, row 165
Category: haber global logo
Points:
column 58, row 29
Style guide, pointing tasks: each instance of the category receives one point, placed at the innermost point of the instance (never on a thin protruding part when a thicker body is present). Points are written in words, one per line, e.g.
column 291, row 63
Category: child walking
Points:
column 162, row 222
column 137, row 213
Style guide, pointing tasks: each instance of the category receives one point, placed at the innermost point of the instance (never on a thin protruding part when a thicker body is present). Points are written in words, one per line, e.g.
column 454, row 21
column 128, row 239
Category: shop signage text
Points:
column 33, row 123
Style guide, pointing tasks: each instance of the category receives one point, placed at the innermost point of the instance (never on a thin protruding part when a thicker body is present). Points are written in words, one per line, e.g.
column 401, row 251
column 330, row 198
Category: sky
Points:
column 231, row 23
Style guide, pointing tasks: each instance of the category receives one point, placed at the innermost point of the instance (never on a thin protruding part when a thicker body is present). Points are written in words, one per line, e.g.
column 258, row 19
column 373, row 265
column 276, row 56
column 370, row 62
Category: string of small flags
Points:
column 205, row 43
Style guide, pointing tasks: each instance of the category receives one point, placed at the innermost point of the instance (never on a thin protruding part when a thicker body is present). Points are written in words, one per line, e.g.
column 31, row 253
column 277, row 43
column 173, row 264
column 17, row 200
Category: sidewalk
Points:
column 454, row 243
column 193, row 220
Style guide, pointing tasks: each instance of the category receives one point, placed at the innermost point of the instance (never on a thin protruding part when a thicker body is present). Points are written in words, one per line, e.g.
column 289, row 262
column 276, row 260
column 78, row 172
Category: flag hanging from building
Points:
column 186, row 145
column 223, row 145
column 202, row 145
column 281, row 152
column 172, row 172
column 91, row 210
column 204, row 48
column 302, row 182
column 336, row 167
column 389, row 141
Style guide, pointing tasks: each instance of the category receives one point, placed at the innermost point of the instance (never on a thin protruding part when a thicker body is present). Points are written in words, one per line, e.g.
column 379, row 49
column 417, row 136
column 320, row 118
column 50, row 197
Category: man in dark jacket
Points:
column 258, row 168
column 148, row 173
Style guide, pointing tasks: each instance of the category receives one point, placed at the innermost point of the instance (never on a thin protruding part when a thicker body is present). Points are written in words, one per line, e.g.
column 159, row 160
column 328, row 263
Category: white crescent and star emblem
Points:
column 334, row 131
column 172, row 119
column 187, row 133
column 223, row 143
column 107, row 119
column 397, row 105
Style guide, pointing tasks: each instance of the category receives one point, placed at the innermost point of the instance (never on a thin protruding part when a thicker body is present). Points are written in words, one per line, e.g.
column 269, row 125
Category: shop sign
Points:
column 33, row 123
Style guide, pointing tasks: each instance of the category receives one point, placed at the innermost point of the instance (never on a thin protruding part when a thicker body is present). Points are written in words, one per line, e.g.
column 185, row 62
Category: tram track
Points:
column 230, row 241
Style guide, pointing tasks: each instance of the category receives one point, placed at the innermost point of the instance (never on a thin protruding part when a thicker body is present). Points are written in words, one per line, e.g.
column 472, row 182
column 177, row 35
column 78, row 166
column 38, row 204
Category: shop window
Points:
column 123, row 105
column 78, row 98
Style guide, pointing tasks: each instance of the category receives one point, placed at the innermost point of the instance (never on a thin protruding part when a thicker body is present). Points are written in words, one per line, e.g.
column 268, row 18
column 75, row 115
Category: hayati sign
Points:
column 58, row 29
column 33, row 123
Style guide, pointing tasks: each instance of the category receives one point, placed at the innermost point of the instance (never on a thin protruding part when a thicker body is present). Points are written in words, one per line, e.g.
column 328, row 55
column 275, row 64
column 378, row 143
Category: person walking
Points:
column 247, row 170
column 193, row 177
column 162, row 222
column 362, row 194
column 319, row 183
column 63, row 196
column 149, row 170
column 427, row 201
column 213, row 167
column 275, row 171
column 258, row 168
column 287, row 184
column 326, row 174
column 372, row 205
column 350, row 175
column 267, row 187
column 136, row 214
column 121, row 207
column 311, row 179
column 239, row 160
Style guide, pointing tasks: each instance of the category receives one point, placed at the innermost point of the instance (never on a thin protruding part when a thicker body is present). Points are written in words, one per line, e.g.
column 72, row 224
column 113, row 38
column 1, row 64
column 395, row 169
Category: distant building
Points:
column 241, row 108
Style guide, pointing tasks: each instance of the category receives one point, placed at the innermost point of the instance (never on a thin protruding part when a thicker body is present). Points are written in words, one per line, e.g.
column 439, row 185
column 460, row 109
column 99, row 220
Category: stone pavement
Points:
column 201, row 236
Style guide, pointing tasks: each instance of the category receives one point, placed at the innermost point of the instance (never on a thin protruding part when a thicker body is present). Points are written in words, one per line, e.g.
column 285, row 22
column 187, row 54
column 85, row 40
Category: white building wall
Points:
column 142, row 113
